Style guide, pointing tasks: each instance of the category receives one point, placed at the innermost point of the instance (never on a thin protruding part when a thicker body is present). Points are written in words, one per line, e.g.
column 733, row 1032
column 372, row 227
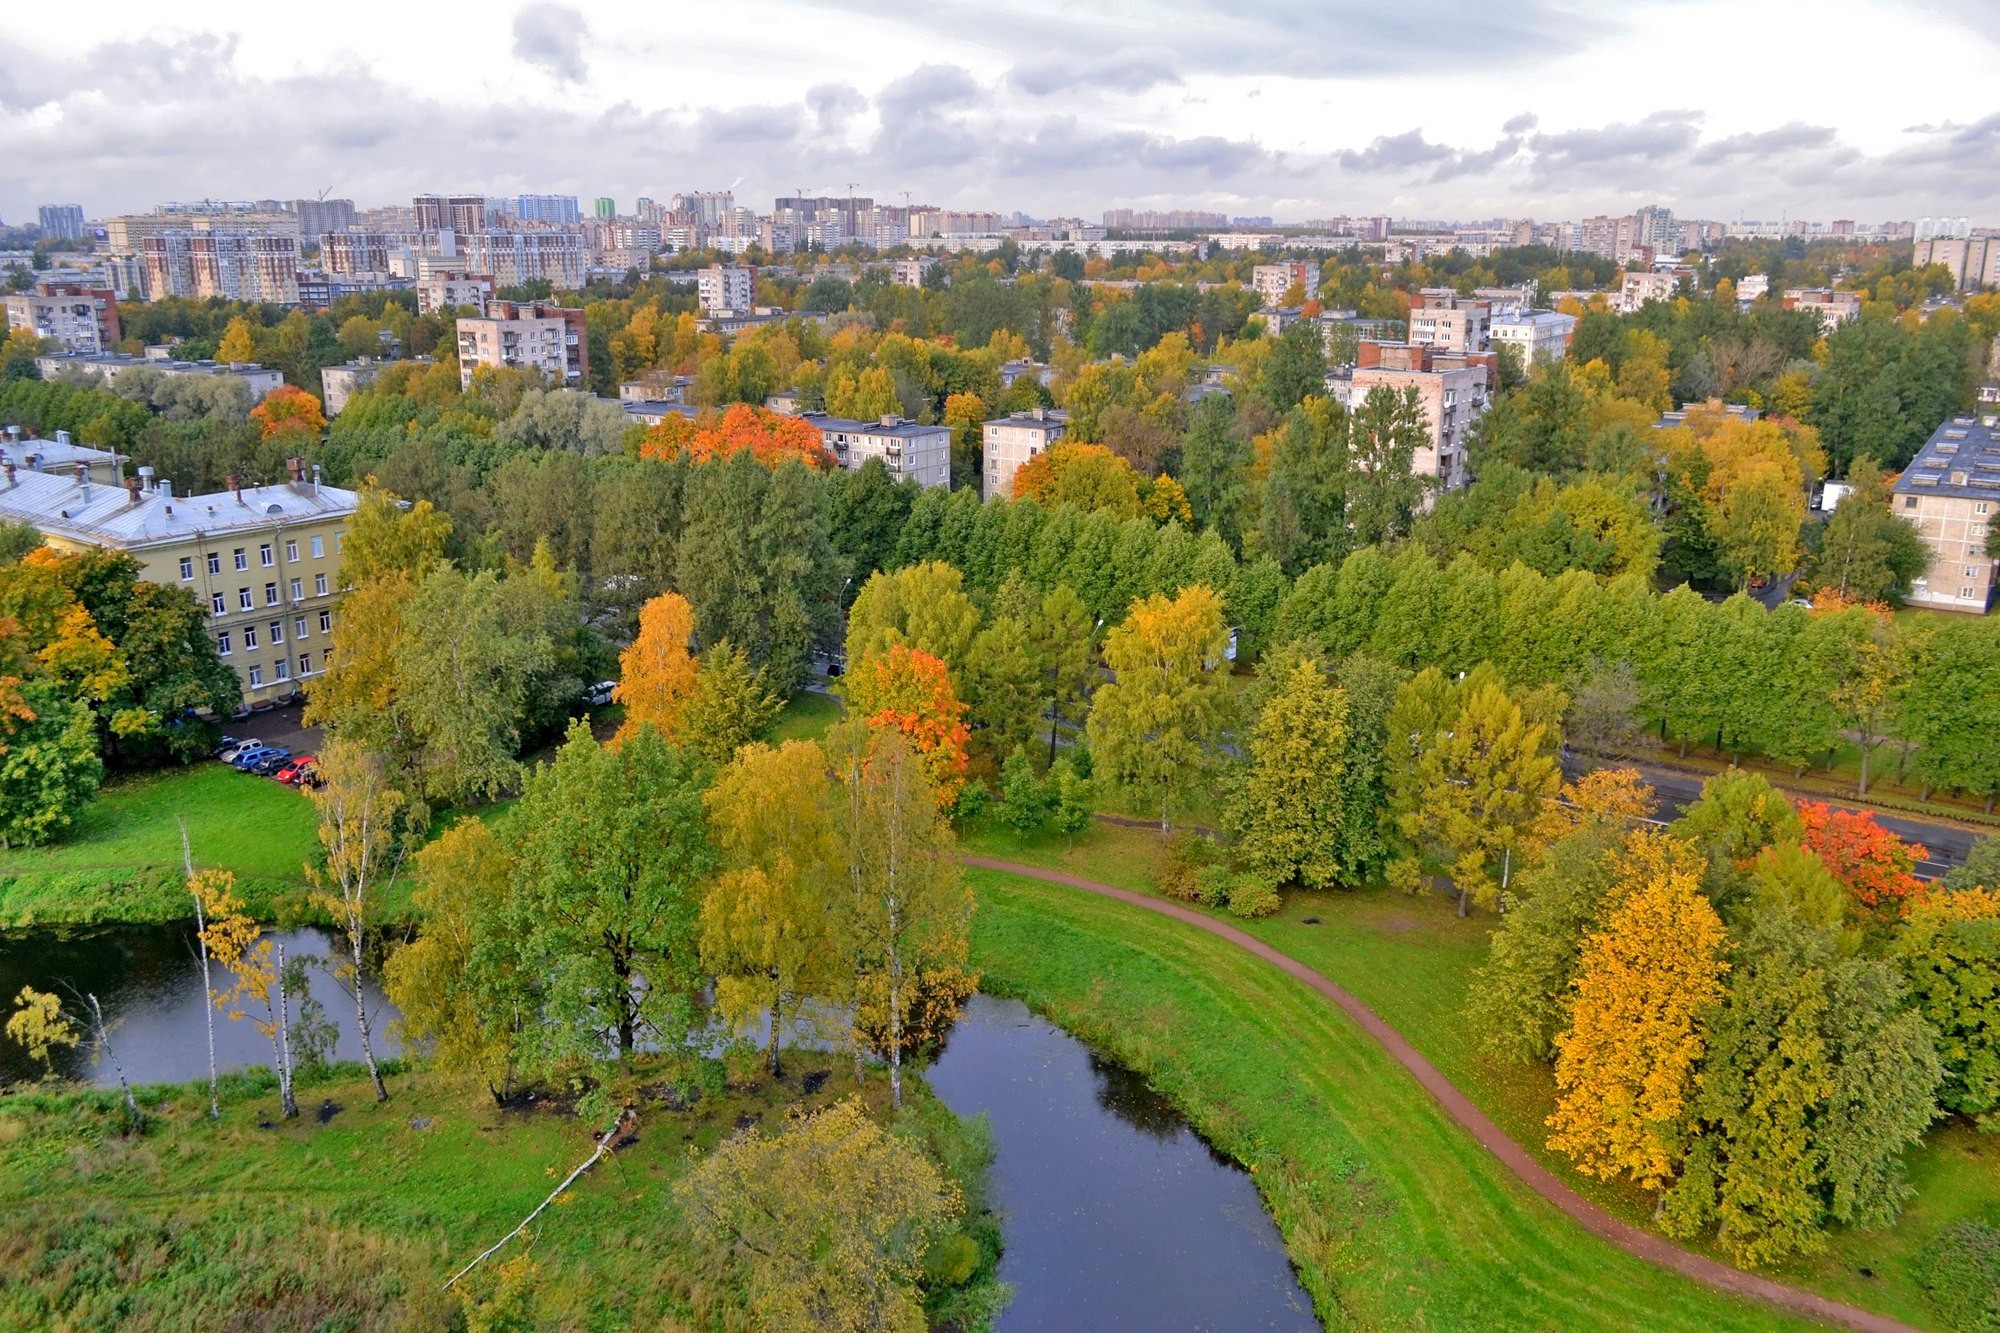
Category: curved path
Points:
column 1517, row 1159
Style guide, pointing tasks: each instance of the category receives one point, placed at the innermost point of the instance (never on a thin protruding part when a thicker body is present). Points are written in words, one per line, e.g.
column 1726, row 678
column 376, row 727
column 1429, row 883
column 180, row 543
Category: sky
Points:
column 1451, row 109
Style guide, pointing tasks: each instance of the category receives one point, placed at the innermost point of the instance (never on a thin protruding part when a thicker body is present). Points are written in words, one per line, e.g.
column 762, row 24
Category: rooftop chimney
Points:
column 11, row 483
column 83, row 481
column 315, row 478
column 146, row 477
column 132, row 489
column 167, row 489
column 297, row 467
column 236, row 487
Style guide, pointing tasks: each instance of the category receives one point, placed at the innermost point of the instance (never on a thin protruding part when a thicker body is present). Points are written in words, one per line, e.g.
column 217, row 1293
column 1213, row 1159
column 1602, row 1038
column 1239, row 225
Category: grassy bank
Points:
column 1394, row 1216
column 354, row 1222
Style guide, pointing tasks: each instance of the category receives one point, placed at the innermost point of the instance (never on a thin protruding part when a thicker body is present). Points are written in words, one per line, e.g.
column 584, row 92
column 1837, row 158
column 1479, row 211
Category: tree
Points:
column 765, row 436
column 1155, row 725
column 365, row 827
column 907, row 690
column 1736, row 815
column 39, row 1026
column 1878, row 868
column 1069, row 799
column 1626, row 1066
column 1006, row 685
column 461, row 677
column 1383, row 492
column 1867, row 551
column 235, row 941
column 385, row 537
column 826, row 1224
column 1024, row 800
column 613, row 851
column 1600, row 721
column 1213, row 462
column 1296, row 367
column 1064, row 638
column 456, row 984
column 1981, row 869
column 1086, row 477
column 765, row 922
column 237, row 344
column 656, row 673
column 1874, row 678
column 49, row 769
column 1288, row 811
column 904, row 923
column 1952, row 705
column 1949, row 953
column 923, row 606
column 730, row 705
column 290, row 411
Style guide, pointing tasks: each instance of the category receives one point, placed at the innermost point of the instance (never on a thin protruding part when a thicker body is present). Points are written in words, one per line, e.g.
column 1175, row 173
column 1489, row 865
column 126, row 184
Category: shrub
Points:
column 1960, row 1275
column 1252, row 897
column 1213, row 885
column 1185, row 856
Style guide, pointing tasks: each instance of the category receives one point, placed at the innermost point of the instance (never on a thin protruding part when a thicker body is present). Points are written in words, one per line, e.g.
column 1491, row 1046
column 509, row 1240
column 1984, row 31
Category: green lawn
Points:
column 1412, row 960
column 1395, row 1217
column 122, row 860
column 805, row 717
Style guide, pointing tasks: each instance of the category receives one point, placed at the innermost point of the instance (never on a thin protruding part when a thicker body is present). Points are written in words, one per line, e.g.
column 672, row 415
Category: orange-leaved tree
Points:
column 1083, row 476
column 658, row 672
column 1878, row 868
column 908, row 690
column 288, row 408
column 770, row 437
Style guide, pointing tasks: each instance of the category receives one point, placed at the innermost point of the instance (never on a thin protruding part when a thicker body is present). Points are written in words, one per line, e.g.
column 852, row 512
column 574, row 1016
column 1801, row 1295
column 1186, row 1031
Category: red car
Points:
column 297, row 770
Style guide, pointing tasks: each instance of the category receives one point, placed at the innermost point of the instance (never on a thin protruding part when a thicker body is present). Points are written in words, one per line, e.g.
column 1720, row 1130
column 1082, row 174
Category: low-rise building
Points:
column 1833, row 308
column 108, row 366
column 726, row 289
column 1542, row 335
column 1441, row 318
column 909, row 450
column 60, row 455
column 263, row 561
column 1951, row 493
column 1007, row 442
column 456, row 288
column 342, row 382
column 910, row 272
column 1272, row 281
column 1452, row 390
column 1653, row 285
column 526, row 335
column 83, row 319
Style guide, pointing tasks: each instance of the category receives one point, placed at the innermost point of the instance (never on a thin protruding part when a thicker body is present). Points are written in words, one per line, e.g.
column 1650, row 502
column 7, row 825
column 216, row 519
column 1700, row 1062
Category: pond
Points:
column 1117, row 1214
column 148, row 978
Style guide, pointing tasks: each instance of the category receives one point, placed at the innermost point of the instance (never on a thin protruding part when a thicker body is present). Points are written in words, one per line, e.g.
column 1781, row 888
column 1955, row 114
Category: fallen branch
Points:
column 626, row 1118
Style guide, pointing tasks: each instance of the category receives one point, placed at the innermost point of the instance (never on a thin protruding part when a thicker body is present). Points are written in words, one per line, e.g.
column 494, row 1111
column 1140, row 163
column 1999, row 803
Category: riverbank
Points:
column 351, row 1216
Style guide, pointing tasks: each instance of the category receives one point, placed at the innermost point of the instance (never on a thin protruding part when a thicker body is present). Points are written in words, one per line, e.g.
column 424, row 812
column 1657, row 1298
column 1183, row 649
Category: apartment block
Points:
column 526, row 335
column 61, row 222
column 1542, row 335
column 82, row 319
column 60, row 456
column 461, row 213
column 1441, row 318
column 231, row 264
column 561, row 209
column 451, row 287
column 1655, row 285
column 1951, row 492
column 108, row 366
column 1453, row 391
column 1272, row 281
column 1007, row 442
column 1833, row 308
column 128, row 233
column 921, row 453
column 726, row 289
column 356, row 251
column 317, row 217
column 515, row 257
column 262, row 561
column 342, row 382
column 1974, row 261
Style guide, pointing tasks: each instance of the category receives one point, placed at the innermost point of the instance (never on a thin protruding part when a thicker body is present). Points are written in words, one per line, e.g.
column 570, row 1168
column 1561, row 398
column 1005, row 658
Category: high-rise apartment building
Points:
column 606, row 208
column 555, row 209
column 317, row 217
column 704, row 206
column 461, row 213
column 451, row 288
column 726, row 288
column 515, row 257
column 127, row 234
column 526, row 335
column 83, row 319
column 234, row 265
column 354, row 252
column 1974, row 261
column 62, row 222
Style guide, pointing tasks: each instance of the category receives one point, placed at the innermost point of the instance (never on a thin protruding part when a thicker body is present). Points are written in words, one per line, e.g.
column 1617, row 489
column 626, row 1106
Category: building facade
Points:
column 514, row 257
column 553, row 208
column 1974, row 261
column 1833, row 308
column 1452, row 391
column 230, row 264
column 450, row 287
column 108, row 366
column 61, row 222
column 1542, row 335
column 1272, row 281
column 1951, row 493
column 908, row 450
column 263, row 561
column 1007, row 442
column 83, row 319
column 526, row 335
column 461, row 213
column 1441, row 318
column 726, row 289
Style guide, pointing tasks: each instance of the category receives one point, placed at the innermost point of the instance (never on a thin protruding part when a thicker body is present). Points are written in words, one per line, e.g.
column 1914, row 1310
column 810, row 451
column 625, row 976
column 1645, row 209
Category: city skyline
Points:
column 1452, row 111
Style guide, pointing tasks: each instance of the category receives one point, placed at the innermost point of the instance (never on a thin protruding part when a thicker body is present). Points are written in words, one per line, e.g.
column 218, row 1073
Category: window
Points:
column 298, row 589
column 242, row 560
column 218, row 605
column 283, row 668
column 305, row 664
column 319, row 548
column 270, row 594
column 292, row 552
column 326, row 625
column 222, row 647
column 1971, row 573
column 339, row 541
column 256, row 676
column 299, row 628
column 1979, row 508
column 264, row 555
column 319, row 585
column 215, row 562
column 243, row 598
column 187, row 569
column 1909, row 502
column 277, row 628
column 249, row 637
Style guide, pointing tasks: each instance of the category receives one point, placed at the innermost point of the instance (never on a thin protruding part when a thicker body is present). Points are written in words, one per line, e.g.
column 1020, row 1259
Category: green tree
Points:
column 49, row 769
column 1024, row 800
column 1155, row 725
column 1069, row 799
column 923, row 606
column 1383, row 492
column 461, row 681
column 1065, row 642
column 1288, row 811
column 1214, row 465
column 1949, row 951
column 1007, row 686
column 730, row 706
column 1296, row 367
column 385, row 537
column 1867, row 551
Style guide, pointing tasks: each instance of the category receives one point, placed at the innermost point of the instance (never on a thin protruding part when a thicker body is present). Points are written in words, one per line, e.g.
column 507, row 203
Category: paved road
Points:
column 1642, row 1244
column 1948, row 846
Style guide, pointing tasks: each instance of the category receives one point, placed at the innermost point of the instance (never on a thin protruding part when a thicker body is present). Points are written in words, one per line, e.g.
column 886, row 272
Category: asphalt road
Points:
column 1947, row 845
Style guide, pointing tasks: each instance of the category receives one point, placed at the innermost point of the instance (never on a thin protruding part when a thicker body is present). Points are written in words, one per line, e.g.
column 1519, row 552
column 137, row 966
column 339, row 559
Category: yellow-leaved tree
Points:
column 658, row 672
column 1625, row 1068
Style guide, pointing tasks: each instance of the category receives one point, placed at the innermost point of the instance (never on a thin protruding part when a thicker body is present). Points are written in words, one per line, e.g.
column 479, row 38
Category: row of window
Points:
column 225, row 643
column 246, row 601
column 266, row 557
column 282, row 670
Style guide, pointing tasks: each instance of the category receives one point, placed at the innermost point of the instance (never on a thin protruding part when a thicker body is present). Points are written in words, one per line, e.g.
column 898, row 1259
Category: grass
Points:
column 805, row 717
column 1394, row 1216
column 354, row 1223
column 1412, row 961
column 122, row 860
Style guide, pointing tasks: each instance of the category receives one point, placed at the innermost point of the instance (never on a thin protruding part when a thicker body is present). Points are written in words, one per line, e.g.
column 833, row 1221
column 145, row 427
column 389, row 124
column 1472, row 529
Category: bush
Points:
column 1253, row 897
column 952, row 1261
column 1213, row 885
column 1960, row 1275
column 973, row 799
column 1185, row 856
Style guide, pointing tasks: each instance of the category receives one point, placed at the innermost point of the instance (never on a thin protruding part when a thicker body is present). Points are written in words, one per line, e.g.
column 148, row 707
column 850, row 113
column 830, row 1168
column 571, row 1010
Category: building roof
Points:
column 104, row 515
column 57, row 455
column 888, row 427
column 1670, row 420
column 1961, row 459
column 120, row 361
column 1045, row 416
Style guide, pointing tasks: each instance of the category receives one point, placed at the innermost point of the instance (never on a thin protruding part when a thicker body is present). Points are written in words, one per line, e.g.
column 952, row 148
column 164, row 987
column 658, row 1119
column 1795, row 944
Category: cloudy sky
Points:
column 1868, row 109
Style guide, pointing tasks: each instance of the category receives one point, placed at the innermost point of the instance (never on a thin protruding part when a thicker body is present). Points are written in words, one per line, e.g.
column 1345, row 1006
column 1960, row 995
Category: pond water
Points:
column 148, row 978
column 1117, row 1214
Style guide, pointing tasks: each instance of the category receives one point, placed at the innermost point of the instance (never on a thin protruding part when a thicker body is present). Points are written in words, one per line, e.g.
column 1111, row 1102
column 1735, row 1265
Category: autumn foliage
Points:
column 1084, row 476
column 770, row 438
column 288, row 408
column 657, row 672
column 1877, row 867
column 909, row 691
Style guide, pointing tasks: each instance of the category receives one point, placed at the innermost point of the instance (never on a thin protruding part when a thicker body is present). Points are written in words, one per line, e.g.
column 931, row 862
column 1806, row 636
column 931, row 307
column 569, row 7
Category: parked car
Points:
column 223, row 744
column 599, row 695
column 250, row 754
column 265, row 765
column 233, row 751
column 295, row 769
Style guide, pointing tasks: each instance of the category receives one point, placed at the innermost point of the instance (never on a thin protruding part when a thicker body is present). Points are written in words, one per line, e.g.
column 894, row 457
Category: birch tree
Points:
column 258, row 965
column 198, row 891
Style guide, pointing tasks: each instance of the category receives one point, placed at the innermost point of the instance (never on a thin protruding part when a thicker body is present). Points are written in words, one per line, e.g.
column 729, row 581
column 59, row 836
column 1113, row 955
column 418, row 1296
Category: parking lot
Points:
column 280, row 726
